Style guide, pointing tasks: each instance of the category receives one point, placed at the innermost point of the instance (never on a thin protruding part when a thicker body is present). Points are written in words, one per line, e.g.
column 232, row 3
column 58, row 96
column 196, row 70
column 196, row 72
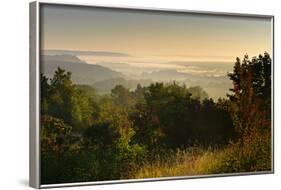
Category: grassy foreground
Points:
column 197, row 161
column 184, row 163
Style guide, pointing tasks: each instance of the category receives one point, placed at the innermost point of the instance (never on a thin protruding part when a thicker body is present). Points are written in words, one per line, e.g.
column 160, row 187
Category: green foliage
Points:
column 88, row 91
column 164, row 129
column 63, row 100
column 54, row 134
column 59, row 148
column 251, row 113
column 252, row 156
column 252, row 75
column 45, row 89
column 170, row 116
column 197, row 92
column 122, row 96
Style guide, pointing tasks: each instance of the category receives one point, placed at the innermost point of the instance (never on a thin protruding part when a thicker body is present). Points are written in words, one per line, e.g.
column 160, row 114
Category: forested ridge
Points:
column 161, row 130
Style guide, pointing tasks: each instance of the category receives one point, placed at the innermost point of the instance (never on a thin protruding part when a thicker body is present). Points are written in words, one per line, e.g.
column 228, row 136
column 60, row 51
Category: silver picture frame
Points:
column 34, row 129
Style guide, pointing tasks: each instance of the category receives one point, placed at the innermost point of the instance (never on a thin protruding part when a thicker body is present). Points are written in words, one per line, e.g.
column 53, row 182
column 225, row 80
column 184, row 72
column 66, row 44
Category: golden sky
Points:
column 148, row 33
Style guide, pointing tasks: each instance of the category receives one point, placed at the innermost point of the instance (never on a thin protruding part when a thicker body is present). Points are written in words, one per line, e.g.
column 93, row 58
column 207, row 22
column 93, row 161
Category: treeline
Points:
column 86, row 136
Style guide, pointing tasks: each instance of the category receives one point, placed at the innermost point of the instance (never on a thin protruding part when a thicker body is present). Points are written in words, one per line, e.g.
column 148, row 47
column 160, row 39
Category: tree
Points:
column 122, row 96
column 197, row 92
column 251, row 91
column 138, row 94
column 44, row 92
column 110, row 139
column 170, row 116
column 250, row 104
column 65, row 101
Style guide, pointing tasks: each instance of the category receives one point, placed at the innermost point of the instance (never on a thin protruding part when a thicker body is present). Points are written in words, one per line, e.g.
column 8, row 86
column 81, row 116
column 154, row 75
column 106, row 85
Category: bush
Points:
column 252, row 156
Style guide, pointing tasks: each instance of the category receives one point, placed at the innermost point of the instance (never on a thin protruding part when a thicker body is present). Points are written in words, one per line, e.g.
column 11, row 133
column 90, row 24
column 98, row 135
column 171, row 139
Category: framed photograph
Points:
column 126, row 94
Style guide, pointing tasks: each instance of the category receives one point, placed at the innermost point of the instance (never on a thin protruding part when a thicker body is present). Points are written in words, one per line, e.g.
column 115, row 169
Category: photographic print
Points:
column 129, row 94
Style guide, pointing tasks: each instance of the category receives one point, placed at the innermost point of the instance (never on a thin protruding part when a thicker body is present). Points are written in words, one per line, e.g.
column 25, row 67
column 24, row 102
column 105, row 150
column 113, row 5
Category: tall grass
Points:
column 192, row 161
column 255, row 156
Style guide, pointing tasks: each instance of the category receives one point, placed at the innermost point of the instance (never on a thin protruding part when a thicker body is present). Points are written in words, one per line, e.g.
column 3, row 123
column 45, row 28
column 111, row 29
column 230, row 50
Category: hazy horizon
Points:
column 197, row 49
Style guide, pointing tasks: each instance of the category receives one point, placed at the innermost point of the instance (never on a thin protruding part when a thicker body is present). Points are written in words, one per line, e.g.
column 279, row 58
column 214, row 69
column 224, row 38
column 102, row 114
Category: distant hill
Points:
column 61, row 58
column 106, row 76
column 216, row 86
column 165, row 75
column 77, row 53
column 106, row 85
column 82, row 73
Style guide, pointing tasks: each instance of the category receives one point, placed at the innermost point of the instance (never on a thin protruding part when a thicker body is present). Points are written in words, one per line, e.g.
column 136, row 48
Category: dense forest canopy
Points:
column 86, row 136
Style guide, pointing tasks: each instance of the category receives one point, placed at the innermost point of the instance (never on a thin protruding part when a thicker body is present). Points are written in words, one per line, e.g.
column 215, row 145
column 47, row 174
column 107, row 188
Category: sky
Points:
column 148, row 34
